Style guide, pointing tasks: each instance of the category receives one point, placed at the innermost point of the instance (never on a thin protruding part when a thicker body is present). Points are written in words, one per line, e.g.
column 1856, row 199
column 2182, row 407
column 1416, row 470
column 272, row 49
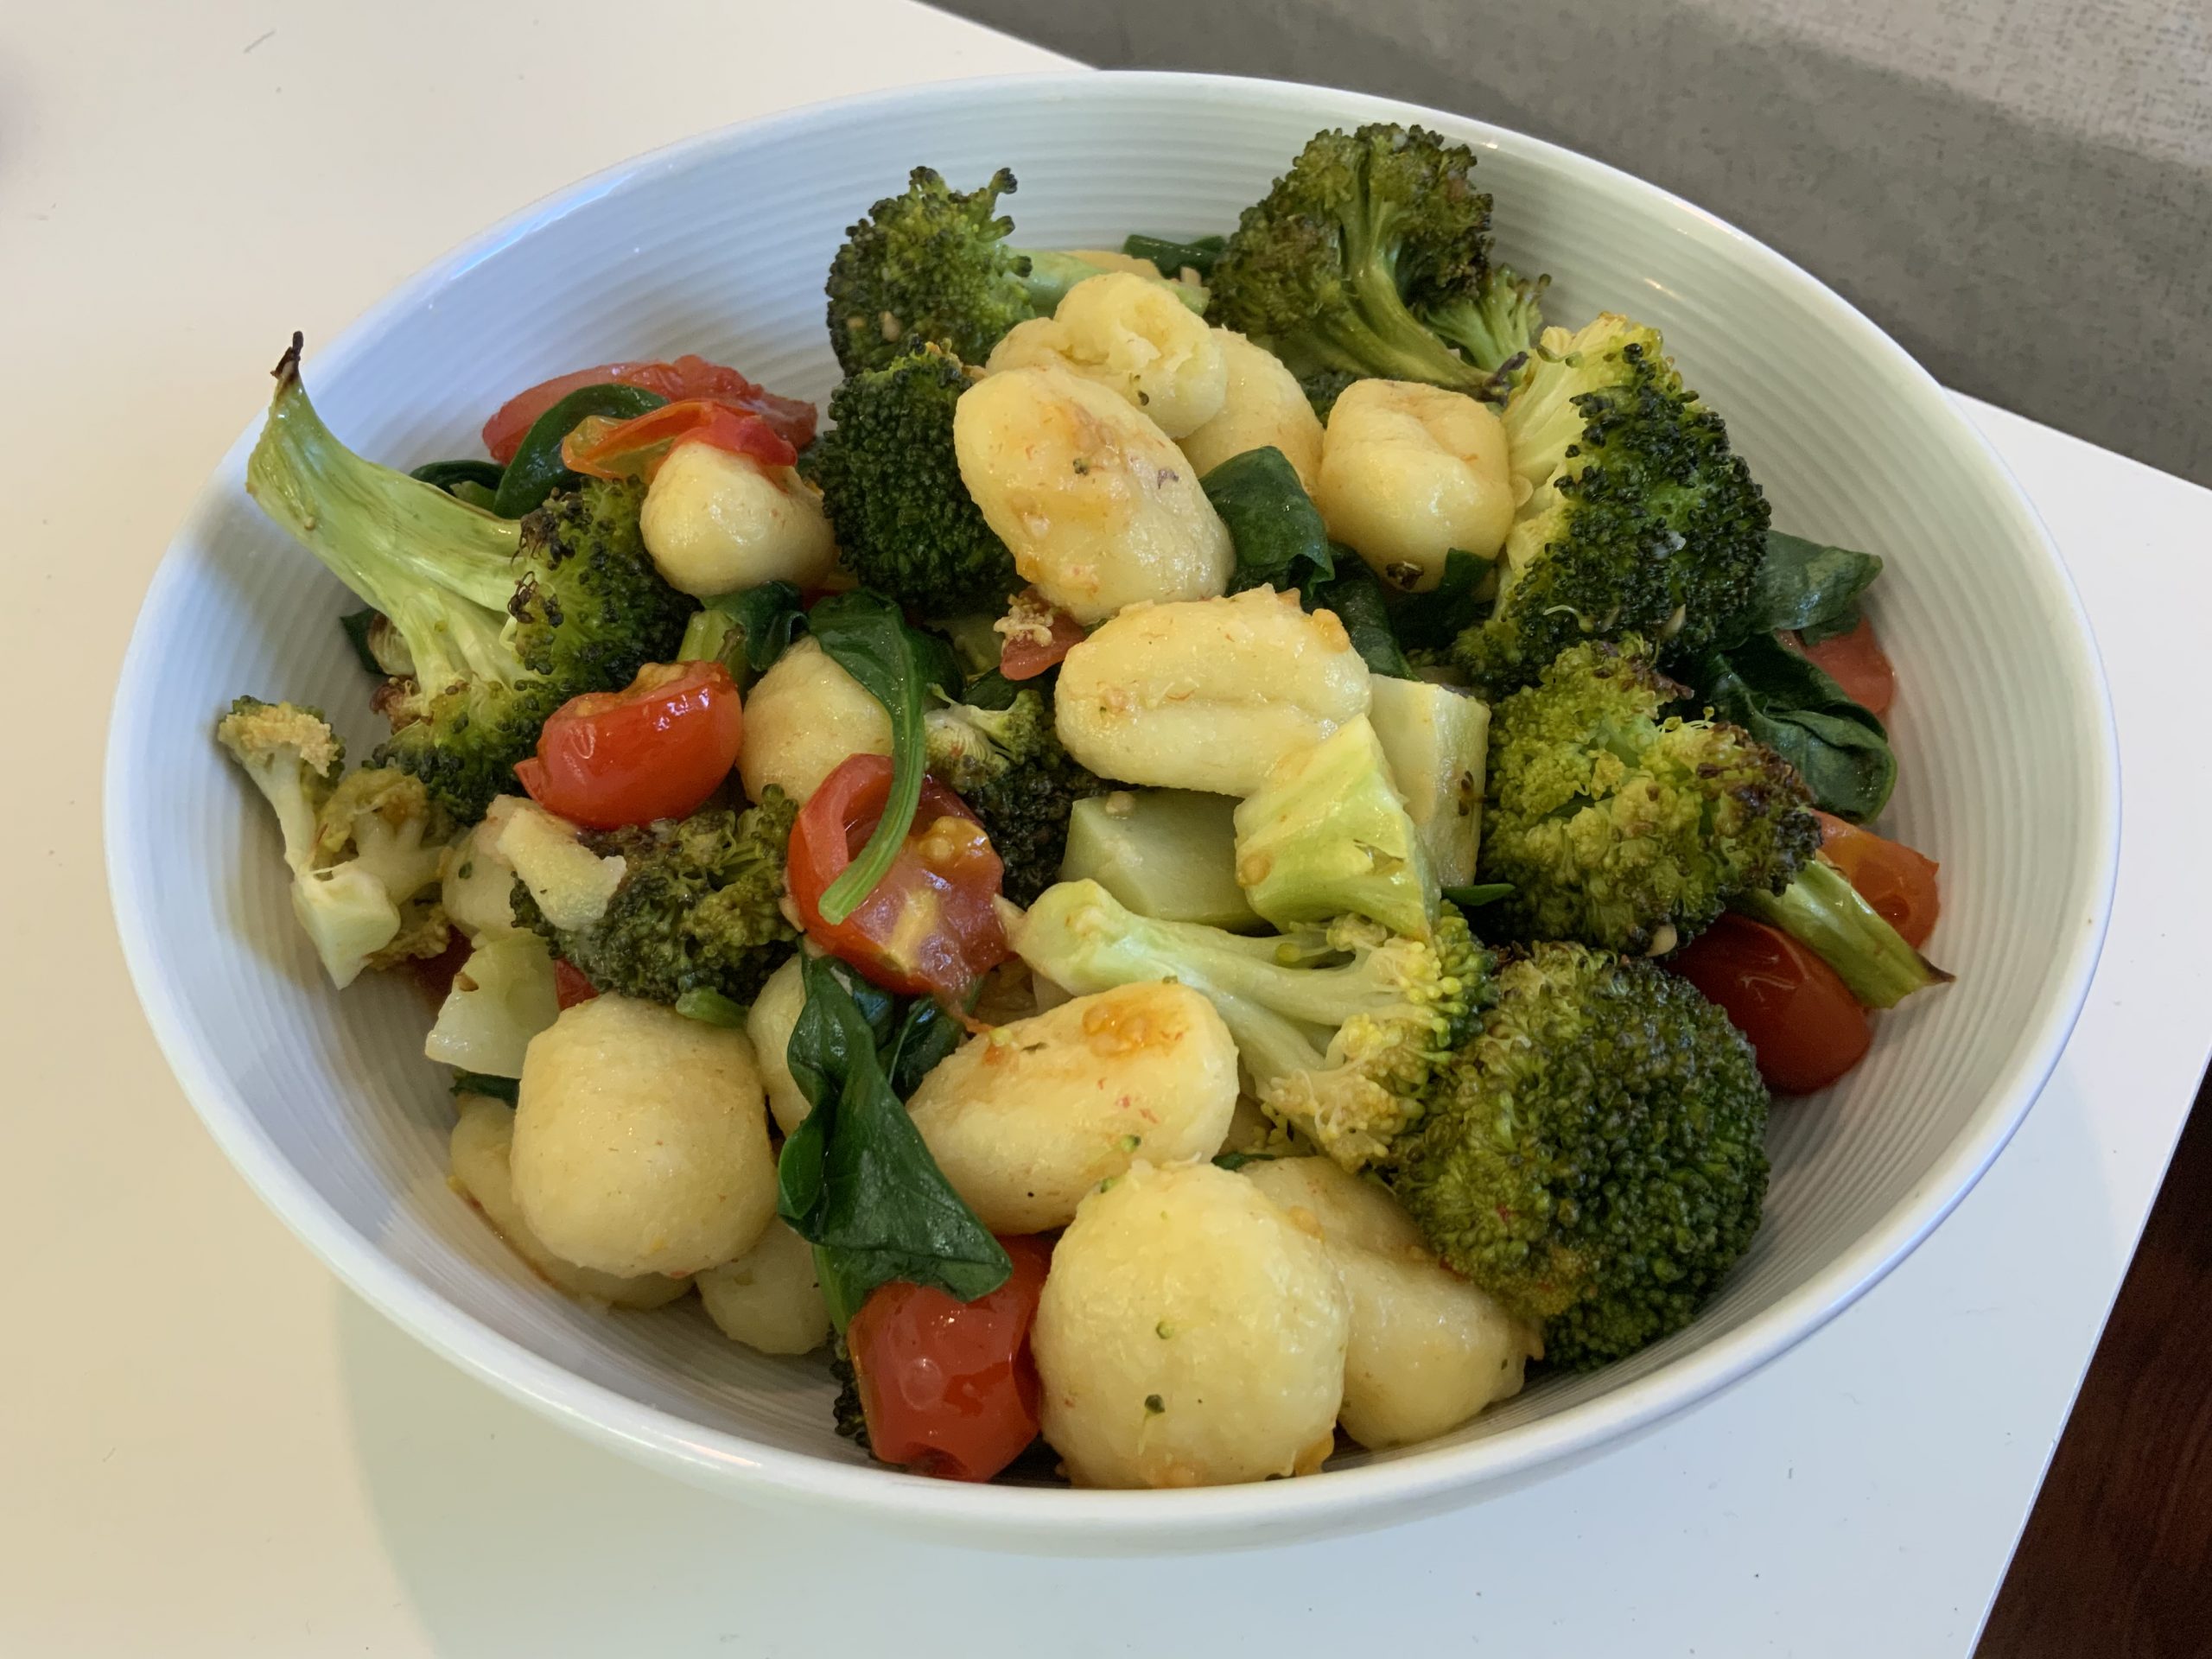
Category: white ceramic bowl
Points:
column 718, row 246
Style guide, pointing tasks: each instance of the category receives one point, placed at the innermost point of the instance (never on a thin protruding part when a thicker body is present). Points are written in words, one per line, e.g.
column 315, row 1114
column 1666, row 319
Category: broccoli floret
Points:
column 1594, row 1157
column 699, row 905
column 1639, row 518
column 1008, row 766
column 1341, row 1028
column 503, row 620
column 1497, row 324
column 932, row 267
column 1620, row 826
column 1333, row 267
column 906, row 524
column 1328, row 836
column 1322, row 388
column 363, row 852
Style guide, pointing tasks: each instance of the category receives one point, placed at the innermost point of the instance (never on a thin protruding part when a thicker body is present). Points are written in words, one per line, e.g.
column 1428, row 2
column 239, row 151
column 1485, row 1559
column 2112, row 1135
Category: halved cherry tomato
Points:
column 1856, row 662
column 600, row 448
column 949, row 1387
column 932, row 924
column 570, row 985
column 654, row 751
column 1025, row 655
column 1898, row 881
column 686, row 377
column 1805, row 1027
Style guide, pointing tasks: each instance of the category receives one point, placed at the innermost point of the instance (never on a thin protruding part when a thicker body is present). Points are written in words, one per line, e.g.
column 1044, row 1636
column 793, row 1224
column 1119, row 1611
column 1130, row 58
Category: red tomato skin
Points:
column 1024, row 656
column 636, row 447
column 962, row 939
column 570, row 985
column 949, row 1388
column 1857, row 662
column 687, row 377
column 435, row 974
column 1805, row 1027
column 1899, row 882
column 656, row 750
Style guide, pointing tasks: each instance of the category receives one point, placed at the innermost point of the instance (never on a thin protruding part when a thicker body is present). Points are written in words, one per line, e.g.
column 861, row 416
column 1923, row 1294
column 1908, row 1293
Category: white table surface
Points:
column 207, row 1448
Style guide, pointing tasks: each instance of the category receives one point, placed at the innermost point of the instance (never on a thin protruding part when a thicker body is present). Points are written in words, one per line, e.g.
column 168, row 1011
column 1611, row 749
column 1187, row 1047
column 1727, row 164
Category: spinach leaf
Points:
column 1480, row 893
column 357, row 625
column 1237, row 1160
column 1279, row 538
column 1173, row 257
column 1808, row 588
column 745, row 631
column 898, row 666
column 478, row 1082
column 537, row 470
column 1357, row 599
column 992, row 689
column 1792, row 705
column 1431, row 621
column 855, row 1179
column 480, row 477
column 710, row 1008
column 926, row 1035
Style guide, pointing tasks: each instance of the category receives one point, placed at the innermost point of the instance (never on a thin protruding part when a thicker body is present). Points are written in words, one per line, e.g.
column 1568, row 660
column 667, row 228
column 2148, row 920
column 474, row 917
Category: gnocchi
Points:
column 1427, row 1350
column 1098, row 507
column 641, row 1140
column 1264, row 406
column 1408, row 473
column 1190, row 1335
column 768, row 1298
column 769, row 1022
column 714, row 522
column 483, row 1138
column 1208, row 694
column 1027, row 1118
column 806, row 717
column 1135, row 337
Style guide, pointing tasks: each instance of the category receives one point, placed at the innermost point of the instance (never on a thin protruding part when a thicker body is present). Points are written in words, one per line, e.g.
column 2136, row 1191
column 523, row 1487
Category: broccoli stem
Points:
column 1824, row 912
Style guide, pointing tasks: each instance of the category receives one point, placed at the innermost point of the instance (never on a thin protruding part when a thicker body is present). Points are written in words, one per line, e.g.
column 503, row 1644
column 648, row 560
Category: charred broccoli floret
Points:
column 1008, row 766
column 698, row 906
column 1594, row 1157
column 502, row 621
column 1342, row 1028
column 1639, row 519
column 906, row 524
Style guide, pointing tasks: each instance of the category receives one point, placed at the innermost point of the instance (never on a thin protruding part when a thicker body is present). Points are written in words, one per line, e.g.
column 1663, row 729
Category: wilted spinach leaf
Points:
column 1792, row 705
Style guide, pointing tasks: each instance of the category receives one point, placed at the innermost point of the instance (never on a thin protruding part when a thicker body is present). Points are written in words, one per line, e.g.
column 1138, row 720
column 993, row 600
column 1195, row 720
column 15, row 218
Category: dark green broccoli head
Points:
column 1639, row 518
column 928, row 267
column 906, row 524
column 1329, row 267
column 590, row 609
column 1009, row 766
column 699, row 907
column 1322, row 388
column 1620, row 826
column 1596, row 1161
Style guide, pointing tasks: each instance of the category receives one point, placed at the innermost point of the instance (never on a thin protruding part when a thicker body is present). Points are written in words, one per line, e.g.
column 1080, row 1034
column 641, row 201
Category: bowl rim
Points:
column 1049, row 1518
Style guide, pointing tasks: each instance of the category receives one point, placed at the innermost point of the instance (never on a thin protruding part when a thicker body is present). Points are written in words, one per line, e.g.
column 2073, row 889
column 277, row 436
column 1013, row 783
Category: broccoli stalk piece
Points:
column 1620, row 826
column 1342, row 1028
column 1623, row 827
column 1639, row 519
column 502, row 621
column 1338, row 266
column 890, row 483
column 1497, row 325
column 932, row 267
column 1593, row 1157
column 363, row 852
column 1328, row 836
column 698, row 907
column 1008, row 766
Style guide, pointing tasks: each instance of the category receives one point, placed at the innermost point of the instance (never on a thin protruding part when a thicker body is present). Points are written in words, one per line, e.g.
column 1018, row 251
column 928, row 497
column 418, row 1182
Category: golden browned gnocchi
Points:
column 768, row 1298
column 1209, row 694
column 1028, row 1117
column 1190, row 1334
column 769, row 1023
column 1134, row 336
column 1427, row 1350
column 641, row 1140
column 483, row 1137
column 1264, row 406
column 714, row 522
column 1097, row 506
column 1410, row 473
column 804, row 719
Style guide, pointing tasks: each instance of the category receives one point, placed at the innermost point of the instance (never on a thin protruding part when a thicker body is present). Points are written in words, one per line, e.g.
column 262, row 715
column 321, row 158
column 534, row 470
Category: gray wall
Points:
column 2020, row 190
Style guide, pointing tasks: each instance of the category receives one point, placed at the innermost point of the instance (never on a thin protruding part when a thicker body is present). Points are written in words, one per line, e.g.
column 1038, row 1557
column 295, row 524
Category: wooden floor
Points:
column 2117, row 1560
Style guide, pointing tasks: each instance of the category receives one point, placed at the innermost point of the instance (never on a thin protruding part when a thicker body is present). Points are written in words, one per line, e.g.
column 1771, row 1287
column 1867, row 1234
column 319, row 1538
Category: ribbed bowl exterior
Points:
column 718, row 246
